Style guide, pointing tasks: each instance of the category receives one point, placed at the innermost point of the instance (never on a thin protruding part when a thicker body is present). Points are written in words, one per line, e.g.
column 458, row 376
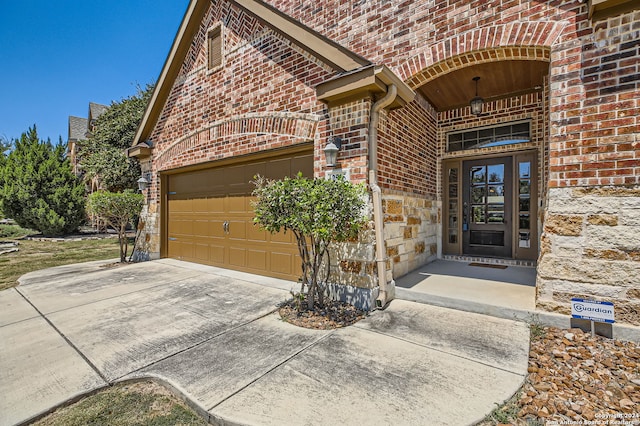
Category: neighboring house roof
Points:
column 96, row 110
column 340, row 58
column 77, row 128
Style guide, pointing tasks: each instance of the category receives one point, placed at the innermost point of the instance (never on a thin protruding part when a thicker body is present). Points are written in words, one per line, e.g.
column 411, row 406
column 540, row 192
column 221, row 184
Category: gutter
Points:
column 387, row 290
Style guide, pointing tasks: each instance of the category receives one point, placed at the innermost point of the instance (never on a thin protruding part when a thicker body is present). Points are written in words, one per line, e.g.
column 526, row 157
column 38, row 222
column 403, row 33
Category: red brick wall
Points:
column 393, row 32
column 262, row 98
column 593, row 87
column 407, row 149
column 594, row 99
column 595, row 104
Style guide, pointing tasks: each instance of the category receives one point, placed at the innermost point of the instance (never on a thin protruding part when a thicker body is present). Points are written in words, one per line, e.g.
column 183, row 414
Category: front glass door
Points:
column 486, row 207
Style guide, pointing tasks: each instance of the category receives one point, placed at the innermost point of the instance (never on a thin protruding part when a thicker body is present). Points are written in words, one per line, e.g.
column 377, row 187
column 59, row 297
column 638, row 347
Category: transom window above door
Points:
column 484, row 137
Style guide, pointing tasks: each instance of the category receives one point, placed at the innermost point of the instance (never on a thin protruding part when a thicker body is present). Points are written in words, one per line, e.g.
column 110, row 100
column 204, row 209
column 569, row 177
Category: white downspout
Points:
column 387, row 290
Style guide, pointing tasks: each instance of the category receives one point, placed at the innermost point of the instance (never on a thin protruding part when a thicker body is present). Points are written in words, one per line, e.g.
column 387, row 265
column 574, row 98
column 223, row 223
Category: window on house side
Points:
column 214, row 41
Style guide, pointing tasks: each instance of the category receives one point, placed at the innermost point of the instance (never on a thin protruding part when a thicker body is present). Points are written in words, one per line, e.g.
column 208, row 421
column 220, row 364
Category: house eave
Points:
column 139, row 151
column 602, row 9
column 367, row 81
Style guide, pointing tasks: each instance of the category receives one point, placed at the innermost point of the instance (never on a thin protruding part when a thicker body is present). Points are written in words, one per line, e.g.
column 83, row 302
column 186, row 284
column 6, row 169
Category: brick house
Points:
column 80, row 129
column 542, row 171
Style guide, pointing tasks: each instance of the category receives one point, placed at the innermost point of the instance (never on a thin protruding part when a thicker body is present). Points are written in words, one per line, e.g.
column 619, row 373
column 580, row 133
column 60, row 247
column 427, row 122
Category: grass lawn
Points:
column 35, row 255
column 142, row 403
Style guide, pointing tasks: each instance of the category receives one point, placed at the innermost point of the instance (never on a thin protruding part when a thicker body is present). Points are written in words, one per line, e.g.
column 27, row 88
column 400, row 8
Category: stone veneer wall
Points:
column 147, row 245
column 411, row 225
column 411, row 233
column 591, row 249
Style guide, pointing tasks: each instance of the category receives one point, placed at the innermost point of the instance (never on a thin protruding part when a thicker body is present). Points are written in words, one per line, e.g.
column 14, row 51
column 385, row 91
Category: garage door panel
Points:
column 181, row 227
column 254, row 170
column 303, row 165
column 181, row 249
column 254, row 232
column 202, row 252
column 200, row 205
column 236, row 204
column 216, row 228
column 216, row 254
column 237, row 230
column 215, row 205
column 202, row 228
column 282, row 237
column 278, row 169
column 282, row 263
column 257, row 259
column 237, row 256
column 210, row 218
column 180, row 206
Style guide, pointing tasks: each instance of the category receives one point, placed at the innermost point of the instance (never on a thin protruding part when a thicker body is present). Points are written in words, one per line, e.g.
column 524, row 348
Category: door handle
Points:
column 225, row 227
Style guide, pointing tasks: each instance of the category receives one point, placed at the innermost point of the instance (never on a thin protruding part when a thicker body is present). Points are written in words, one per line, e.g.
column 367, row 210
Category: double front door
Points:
column 490, row 207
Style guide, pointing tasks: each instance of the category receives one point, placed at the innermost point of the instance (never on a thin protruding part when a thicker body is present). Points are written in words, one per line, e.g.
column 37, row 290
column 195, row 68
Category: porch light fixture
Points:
column 331, row 151
column 143, row 182
column 477, row 102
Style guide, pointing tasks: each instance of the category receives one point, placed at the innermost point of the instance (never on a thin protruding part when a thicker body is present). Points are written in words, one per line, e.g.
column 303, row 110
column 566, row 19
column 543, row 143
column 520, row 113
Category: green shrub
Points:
column 318, row 212
column 117, row 209
column 38, row 189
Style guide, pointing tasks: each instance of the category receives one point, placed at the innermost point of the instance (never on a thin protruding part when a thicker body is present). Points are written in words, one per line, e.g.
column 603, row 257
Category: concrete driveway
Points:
column 213, row 336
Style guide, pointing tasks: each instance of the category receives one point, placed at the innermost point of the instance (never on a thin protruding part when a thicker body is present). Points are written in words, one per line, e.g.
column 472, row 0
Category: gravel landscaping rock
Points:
column 577, row 378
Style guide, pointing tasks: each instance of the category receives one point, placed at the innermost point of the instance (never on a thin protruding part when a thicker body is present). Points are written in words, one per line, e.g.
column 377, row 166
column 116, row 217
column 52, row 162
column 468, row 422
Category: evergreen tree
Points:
column 38, row 189
column 5, row 145
column 102, row 157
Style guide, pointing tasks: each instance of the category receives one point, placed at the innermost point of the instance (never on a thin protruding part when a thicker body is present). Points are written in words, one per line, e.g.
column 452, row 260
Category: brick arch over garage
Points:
column 513, row 41
column 239, row 135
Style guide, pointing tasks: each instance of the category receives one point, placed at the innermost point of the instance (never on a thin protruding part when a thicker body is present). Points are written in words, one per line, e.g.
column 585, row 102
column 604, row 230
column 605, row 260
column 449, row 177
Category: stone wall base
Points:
column 410, row 231
column 590, row 249
column 361, row 298
column 147, row 245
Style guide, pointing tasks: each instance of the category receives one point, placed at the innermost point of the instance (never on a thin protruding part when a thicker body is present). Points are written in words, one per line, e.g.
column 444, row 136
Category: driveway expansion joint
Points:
column 278, row 365
column 193, row 346
column 66, row 339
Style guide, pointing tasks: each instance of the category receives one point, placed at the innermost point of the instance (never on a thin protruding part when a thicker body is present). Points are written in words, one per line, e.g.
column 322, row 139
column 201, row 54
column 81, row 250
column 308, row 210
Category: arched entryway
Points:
column 491, row 163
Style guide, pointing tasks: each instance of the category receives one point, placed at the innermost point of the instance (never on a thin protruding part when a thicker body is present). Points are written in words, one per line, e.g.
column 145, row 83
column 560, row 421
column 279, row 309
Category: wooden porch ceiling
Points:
column 497, row 80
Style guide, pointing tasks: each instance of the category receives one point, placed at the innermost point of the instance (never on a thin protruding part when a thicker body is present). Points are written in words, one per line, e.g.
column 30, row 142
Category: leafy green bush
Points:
column 318, row 212
column 38, row 189
column 117, row 209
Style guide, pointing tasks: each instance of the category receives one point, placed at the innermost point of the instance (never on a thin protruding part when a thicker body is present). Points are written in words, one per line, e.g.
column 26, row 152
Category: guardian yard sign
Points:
column 592, row 310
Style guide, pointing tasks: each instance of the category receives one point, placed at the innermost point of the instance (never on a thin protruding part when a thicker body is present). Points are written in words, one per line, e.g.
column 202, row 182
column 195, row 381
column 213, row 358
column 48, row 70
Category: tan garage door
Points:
column 210, row 218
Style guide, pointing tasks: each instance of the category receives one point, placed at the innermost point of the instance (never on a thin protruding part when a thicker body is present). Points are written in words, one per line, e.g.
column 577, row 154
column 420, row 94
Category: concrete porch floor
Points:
column 504, row 293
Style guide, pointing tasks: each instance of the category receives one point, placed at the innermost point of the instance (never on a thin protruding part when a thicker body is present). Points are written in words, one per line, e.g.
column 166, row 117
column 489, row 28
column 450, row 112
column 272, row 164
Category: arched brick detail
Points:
column 527, row 53
column 292, row 127
column 525, row 40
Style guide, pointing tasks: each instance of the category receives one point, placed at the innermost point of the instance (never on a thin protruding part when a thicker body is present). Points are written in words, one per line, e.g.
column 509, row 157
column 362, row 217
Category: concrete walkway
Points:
column 504, row 293
column 214, row 337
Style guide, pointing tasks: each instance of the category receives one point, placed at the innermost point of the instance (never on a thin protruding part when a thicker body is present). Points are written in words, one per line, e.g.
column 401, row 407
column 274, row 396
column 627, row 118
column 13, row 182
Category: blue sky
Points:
column 57, row 56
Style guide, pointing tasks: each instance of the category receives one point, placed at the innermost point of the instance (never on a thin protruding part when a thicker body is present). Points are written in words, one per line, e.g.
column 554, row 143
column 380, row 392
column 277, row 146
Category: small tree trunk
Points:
column 122, row 236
